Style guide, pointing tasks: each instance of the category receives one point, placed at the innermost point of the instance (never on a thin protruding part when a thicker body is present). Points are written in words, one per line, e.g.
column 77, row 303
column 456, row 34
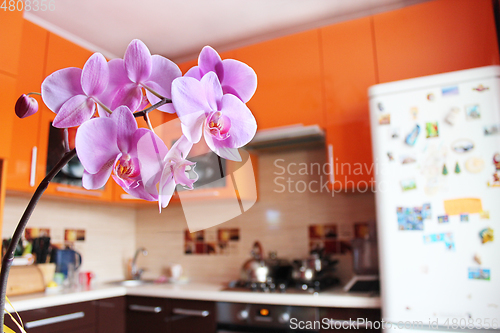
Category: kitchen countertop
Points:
column 198, row 291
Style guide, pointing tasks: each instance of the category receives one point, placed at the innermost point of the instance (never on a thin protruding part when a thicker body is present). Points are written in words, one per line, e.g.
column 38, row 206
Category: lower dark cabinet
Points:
column 193, row 316
column 147, row 314
column 110, row 315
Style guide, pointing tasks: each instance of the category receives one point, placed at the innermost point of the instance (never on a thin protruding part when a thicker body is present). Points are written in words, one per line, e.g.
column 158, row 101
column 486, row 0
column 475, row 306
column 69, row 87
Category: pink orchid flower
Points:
column 236, row 77
column 26, row 106
column 72, row 93
column 226, row 122
column 116, row 146
column 137, row 70
column 174, row 171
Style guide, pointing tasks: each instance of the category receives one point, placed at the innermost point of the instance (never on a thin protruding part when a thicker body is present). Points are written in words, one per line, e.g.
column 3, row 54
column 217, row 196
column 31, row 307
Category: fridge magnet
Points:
column 390, row 156
column 409, row 218
column 461, row 146
column 443, row 219
column 412, row 137
column 408, row 184
column 426, row 211
column 394, row 133
column 464, row 217
column 449, row 91
column 414, row 112
column 445, row 170
column 477, row 259
column 476, row 273
column 430, row 97
column 462, row 206
column 452, row 116
column 380, row 106
column 481, row 88
column 472, row 112
column 384, row 119
column 431, row 130
column 457, row 168
column 486, row 235
column 474, row 165
column 484, row 215
column 496, row 161
column 448, row 241
column 407, row 159
column 490, row 130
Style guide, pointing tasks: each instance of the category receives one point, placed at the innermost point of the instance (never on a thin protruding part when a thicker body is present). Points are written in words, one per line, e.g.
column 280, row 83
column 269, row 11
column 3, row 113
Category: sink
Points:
column 132, row 283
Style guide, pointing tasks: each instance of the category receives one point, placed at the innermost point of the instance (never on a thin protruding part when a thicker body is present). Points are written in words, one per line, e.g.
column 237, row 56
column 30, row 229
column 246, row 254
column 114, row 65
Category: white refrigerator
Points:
column 436, row 149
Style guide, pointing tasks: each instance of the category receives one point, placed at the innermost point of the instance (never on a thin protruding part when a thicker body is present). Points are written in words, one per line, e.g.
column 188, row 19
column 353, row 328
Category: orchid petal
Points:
column 168, row 107
column 151, row 151
column 239, row 79
column 167, row 187
column 180, row 175
column 126, row 126
column 209, row 60
column 74, row 112
column 243, row 124
column 60, row 86
column 117, row 79
column 96, row 143
column 194, row 72
column 140, row 192
column 164, row 73
column 99, row 179
column 95, row 75
column 129, row 95
column 220, row 148
column 192, row 126
column 180, row 149
column 137, row 61
column 213, row 90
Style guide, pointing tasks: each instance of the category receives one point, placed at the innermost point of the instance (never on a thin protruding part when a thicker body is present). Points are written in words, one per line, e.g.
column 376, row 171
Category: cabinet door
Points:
column 193, row 316
column 435, row 37
column 349, row 69
column 21, row 173
column 289, row 88
column 11, row 26
column 148, row 314
column 7, row 102
column 77, row 317
column 111, row 315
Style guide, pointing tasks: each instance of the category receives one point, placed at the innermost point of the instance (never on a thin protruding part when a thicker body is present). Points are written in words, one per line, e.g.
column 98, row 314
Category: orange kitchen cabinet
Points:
column 435, row 37
column 289, row 87
column 21, row 173
column 7, row 102
column 11, row 25
column 349, row 69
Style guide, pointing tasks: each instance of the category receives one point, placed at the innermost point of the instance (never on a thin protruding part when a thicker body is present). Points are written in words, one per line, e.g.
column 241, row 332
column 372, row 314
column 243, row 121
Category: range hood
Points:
column 294, row 135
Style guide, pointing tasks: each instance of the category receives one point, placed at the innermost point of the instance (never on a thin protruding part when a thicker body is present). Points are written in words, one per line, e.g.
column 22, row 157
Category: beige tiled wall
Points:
column 110, row 231
column 278, row 220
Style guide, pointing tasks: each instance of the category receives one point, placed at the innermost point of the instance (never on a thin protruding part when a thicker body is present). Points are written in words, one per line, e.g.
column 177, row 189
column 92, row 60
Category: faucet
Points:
column 137, row 272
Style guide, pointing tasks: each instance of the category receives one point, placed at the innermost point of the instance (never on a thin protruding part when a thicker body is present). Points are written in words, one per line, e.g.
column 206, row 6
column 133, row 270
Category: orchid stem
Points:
column 146, row 118
column 9, row 255
column 153, row 92
column 103, row 106
column 33, row 93
column 152, row 107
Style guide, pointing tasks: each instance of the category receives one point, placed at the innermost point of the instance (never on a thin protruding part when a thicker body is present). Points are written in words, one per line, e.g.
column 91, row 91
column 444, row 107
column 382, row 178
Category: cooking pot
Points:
column 260, row 270
column 312, row 268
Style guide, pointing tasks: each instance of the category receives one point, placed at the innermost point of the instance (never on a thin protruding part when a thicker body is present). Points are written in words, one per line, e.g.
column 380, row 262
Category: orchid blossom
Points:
column 137, row 70
column 174, row 171
column 225, row 121
column 116, row 146
column 236, row 77
column 26, row 106
column 72, row 93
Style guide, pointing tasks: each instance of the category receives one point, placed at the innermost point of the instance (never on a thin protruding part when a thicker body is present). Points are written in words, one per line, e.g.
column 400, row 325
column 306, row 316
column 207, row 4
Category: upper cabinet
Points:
column 11, row 22
column 7, row 102
column 21, row 171
column 349, row 69
column 289, row 89
column 435, row 37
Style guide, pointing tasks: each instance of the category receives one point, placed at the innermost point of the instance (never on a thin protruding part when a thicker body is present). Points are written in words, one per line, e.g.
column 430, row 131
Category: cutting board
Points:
column 25, row 280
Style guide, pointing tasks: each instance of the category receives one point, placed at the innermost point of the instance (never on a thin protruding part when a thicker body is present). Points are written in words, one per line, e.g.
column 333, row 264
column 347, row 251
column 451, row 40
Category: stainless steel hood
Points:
column 287, row 136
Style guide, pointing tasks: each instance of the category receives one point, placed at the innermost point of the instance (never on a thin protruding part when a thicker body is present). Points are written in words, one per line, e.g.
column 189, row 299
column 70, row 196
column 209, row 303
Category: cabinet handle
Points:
column 330, row 161
column 34, row 152
column 55, row 320
column 145, row 308
column 78, row 191
column 193, row 313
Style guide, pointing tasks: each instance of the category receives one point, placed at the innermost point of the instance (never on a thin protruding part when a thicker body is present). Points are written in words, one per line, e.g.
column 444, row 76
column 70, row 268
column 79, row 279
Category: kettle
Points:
column 65, row 258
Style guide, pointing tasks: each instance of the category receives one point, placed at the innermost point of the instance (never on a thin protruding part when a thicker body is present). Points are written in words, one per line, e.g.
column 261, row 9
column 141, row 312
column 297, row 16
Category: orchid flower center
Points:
column 127, row 171
column 219, row 125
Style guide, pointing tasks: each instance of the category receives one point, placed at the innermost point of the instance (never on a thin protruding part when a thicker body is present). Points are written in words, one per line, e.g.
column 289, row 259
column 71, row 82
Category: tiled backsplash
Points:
column 109, row 239
column 280, row 220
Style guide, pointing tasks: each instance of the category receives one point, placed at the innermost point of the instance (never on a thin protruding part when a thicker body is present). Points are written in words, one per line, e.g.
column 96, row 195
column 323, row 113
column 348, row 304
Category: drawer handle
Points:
column 193, row 313
column 55, row 320
column 34, row 152
column 145, row 308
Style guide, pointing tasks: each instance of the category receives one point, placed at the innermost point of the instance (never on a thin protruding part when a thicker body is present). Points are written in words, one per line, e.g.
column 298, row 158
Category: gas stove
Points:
column 290, row 286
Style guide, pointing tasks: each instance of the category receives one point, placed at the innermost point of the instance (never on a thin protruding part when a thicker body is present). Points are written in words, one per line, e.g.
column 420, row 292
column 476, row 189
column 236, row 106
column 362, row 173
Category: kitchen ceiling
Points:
column 178, row 29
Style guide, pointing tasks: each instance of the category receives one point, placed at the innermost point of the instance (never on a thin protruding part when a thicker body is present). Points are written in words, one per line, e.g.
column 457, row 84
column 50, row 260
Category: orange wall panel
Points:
column 435, row 37
column 289, row 89
column 7, row 103
column 11, row 23
column 62, row 54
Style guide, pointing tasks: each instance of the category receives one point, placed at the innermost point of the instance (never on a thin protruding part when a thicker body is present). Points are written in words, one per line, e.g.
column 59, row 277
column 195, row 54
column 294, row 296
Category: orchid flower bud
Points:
column 26, row 106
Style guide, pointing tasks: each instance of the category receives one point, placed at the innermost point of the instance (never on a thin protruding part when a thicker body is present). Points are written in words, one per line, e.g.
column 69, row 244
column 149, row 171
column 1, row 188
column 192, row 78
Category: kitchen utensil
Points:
column 64, row 258
column 260, row 270
column 312, row 268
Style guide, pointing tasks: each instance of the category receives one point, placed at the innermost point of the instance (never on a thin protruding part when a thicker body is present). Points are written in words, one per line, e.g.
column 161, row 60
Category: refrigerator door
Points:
column 434, row 144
